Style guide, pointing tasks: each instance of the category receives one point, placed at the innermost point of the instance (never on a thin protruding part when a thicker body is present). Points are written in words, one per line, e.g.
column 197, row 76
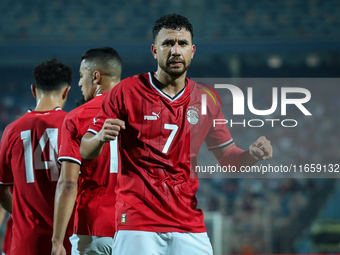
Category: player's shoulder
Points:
column 86, row 110
column 137, row 78
column 133, row 82
column 142, row 77
column 77, row 111
column 74, row 114
column 16, row 123
column 33, row 118
column 10, row 128
column 93, row 103
column 200, row 87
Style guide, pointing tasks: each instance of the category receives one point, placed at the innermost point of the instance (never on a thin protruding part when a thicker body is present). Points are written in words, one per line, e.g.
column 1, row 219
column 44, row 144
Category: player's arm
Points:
column 92, row 144
column 65, row 198
column 261, row 149
column 2, row 215
column 6, row 198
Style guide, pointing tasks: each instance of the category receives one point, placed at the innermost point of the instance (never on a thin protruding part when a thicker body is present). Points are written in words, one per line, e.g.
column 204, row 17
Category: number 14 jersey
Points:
column 156, row 183
column 28, row 159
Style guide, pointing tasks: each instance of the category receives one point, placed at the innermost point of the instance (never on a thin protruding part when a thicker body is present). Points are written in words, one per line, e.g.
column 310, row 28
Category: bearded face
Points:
column 173, row 50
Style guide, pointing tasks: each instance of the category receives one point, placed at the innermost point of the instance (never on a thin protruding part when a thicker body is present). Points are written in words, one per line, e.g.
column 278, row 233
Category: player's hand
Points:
column 261, row 149
column 111, row 129
column 58, row 249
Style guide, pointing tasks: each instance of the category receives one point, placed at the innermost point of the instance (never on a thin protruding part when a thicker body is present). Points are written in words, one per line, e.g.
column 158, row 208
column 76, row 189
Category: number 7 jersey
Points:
column 28, row 159
column 156, row 185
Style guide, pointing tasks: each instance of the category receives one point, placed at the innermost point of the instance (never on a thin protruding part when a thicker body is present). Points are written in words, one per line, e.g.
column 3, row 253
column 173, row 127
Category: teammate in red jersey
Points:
column 94, row 224
column 159, row 140
column 28, row 159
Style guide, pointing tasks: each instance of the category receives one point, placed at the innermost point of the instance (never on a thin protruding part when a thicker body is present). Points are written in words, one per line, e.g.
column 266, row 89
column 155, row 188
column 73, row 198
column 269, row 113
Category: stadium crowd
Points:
column 74, row 21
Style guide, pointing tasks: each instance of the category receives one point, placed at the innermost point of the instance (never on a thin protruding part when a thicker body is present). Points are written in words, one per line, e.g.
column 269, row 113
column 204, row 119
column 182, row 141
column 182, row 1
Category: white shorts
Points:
column 91, row 245
column 127, row 242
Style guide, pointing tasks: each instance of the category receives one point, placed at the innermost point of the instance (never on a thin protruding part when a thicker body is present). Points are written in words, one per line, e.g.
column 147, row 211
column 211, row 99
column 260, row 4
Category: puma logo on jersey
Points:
column 94, row 121
column 154, row 116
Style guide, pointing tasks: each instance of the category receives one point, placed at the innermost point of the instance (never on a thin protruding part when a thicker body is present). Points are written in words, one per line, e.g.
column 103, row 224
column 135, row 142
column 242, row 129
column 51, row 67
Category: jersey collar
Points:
column 172, row 99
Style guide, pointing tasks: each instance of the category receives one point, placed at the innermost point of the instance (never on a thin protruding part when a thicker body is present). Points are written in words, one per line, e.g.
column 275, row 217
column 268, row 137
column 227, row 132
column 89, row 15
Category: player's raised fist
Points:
column 261, row 149
column 111, row 129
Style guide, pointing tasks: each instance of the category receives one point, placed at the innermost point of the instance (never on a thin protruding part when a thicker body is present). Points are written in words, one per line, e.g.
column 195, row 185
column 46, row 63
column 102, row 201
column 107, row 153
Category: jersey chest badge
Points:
column 192, row 115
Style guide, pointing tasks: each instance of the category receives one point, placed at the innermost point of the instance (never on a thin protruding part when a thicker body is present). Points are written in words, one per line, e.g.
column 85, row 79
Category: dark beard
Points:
column 175, row 72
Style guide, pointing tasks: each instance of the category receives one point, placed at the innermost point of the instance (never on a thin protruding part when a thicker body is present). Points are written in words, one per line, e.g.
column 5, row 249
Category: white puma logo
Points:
column 94, row 121
column 154, row 116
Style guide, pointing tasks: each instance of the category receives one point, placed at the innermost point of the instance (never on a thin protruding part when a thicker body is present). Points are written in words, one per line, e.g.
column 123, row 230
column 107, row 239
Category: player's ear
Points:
column 193, row 51
column 154, row 50
column 65, row 92
column 33, row 89
column 96, row 77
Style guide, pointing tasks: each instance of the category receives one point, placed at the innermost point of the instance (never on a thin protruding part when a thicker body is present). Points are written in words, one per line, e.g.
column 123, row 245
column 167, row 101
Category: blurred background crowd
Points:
column 258, row 39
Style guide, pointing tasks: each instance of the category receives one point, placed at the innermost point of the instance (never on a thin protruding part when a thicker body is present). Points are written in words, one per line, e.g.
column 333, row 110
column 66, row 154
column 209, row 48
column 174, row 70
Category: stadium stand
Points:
column 214, row 20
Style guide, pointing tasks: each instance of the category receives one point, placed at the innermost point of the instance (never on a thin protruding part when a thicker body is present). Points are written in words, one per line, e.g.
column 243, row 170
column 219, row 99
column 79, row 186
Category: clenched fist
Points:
column 111, row 129
column 261, row 149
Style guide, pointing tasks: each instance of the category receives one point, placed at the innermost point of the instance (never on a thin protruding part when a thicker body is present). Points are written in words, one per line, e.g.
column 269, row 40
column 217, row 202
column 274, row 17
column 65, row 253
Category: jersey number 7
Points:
column 173, row 129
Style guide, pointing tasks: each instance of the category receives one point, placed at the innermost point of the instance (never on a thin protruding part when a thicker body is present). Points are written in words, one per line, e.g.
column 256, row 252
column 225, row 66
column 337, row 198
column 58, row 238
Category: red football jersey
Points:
column 95, row 206
column 28, row 158
column 156, row 184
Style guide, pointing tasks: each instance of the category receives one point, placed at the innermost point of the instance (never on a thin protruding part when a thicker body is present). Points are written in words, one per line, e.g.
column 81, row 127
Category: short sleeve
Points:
column 70, row 142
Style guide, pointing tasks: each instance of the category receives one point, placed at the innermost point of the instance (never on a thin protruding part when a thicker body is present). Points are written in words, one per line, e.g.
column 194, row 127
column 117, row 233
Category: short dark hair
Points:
column 52, row 75
column 106, row 59
column 172, row 21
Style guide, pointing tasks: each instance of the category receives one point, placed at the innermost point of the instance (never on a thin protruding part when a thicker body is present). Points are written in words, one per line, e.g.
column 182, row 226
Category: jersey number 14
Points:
column 51, row 135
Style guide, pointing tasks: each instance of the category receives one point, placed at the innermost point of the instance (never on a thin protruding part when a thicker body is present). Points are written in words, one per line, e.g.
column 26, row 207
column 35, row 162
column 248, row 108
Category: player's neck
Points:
column 106, row 86
column 47, row 103
column 169, row 84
